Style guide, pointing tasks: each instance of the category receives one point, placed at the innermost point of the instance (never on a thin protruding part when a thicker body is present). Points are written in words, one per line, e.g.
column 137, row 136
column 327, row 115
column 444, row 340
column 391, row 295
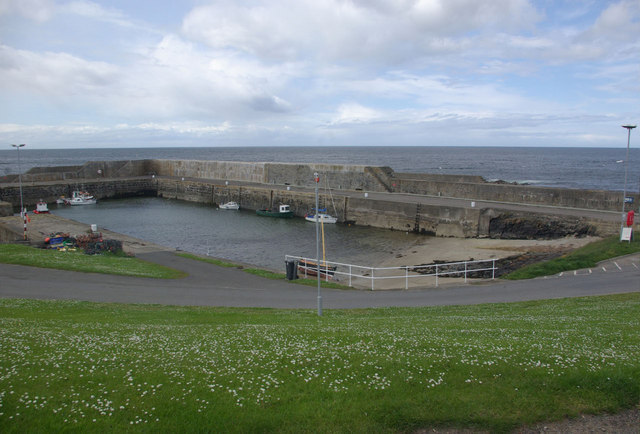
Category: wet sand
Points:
column 433, row 249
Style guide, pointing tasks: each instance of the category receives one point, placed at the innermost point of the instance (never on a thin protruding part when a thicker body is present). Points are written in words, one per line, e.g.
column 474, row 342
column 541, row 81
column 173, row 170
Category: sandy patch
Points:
column 433, row 249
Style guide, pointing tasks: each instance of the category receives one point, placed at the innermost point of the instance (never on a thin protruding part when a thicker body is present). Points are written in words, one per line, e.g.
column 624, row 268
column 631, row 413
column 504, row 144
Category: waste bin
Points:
column 292, row 271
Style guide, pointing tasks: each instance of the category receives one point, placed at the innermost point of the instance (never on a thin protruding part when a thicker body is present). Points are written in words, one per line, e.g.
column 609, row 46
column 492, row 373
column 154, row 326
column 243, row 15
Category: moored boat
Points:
column 283, row 211
column 229, row 205
column 321, row 216
column 41, row 207
column 81, row 198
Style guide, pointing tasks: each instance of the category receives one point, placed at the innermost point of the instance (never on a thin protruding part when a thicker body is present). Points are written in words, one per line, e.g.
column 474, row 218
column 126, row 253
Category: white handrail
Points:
column 361, row 271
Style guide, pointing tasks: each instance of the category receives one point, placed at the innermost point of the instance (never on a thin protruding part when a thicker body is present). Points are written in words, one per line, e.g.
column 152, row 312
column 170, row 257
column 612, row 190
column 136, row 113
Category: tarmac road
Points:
column 210, row 285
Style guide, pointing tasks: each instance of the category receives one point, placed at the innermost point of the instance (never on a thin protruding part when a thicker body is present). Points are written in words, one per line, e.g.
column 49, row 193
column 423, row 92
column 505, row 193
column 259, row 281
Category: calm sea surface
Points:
column 240, row 236
column 587, row 168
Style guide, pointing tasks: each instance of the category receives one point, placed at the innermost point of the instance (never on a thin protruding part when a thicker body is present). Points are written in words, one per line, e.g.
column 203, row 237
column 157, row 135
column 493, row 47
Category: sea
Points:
column 242, row 236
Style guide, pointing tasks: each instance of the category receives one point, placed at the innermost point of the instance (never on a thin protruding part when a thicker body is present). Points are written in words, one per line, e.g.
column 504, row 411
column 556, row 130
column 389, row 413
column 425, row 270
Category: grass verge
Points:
column 267, row 274
column 77, row 261
column 89, row 367
column 584, row 257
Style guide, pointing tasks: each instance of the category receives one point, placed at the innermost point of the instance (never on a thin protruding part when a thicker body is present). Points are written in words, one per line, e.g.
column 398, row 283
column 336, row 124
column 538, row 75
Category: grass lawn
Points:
column 88, row 367
column 78, row 261
column 584, row 257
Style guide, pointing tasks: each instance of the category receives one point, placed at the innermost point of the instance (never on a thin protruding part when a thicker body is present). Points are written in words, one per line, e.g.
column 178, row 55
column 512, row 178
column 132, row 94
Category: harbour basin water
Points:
column 239, row 236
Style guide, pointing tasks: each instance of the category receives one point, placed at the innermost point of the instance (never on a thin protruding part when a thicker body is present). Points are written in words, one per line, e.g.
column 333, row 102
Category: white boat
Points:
column 229, row 205
column 82, row 201
column 321, row 217
column 41, row 207
column 82, row 198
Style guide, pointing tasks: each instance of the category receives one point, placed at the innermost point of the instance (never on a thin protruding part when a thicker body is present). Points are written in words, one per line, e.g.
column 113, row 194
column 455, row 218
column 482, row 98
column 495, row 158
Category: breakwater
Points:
column 396, row 201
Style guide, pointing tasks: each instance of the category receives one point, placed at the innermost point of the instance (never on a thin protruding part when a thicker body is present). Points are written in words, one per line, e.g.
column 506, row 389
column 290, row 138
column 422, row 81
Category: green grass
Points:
column 88, row 367
column 584, row 257
column 78, row 261
column 267, row 274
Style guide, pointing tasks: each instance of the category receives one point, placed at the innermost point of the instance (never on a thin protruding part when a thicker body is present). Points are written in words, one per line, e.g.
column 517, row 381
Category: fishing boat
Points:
column 283, row 211
column 229, row 205
column 310, row 268
column 321, row 216
column 82, row 198
column 41, row 207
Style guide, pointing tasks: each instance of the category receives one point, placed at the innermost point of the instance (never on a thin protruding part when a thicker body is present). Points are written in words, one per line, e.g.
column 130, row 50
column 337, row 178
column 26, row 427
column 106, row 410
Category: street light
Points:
column 626, row 168
column 20, row 182
column 316, row 177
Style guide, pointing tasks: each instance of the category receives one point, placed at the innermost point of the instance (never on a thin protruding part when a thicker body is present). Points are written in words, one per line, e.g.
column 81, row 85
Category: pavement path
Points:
column 211, row 285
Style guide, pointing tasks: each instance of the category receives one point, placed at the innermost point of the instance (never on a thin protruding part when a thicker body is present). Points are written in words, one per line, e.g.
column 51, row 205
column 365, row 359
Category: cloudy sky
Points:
column 132, row 73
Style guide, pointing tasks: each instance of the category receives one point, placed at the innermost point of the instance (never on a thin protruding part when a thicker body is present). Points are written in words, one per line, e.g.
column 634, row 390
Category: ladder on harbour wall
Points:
column 416, row 226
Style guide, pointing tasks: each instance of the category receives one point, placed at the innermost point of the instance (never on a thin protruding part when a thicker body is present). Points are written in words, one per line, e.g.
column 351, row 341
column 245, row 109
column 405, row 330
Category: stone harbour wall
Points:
column 565, row 197
column 102, row 189
column 264, row 185
column 335, row 176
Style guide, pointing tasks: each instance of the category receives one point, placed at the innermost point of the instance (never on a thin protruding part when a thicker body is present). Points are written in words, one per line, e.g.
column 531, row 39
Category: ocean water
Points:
column 585, row 168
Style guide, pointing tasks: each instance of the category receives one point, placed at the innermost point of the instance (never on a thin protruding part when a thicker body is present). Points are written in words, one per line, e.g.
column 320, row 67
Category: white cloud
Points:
column 347, row 31
column 350, row 113
column 54, row 75
column 36, row 10
column 297, row 68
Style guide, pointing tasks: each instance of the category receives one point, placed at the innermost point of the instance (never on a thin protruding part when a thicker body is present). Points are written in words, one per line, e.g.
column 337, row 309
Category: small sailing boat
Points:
column 312, row 268
column 322, row 215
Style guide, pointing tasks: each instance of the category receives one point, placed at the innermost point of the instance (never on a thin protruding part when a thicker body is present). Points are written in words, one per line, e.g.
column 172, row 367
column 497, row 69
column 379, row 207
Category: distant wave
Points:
column 522, row 182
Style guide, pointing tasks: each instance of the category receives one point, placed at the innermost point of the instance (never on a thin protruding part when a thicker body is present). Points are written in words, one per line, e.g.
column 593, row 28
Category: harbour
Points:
column 239, row 236
column 382, row 214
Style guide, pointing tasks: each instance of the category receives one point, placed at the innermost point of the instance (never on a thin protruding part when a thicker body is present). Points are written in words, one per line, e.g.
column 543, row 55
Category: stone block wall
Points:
column 101, row 189
column 565, row 197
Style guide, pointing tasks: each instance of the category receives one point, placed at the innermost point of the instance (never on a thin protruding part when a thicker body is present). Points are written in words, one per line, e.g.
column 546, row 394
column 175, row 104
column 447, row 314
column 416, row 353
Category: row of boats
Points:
column 284, row 211
column 77, row 198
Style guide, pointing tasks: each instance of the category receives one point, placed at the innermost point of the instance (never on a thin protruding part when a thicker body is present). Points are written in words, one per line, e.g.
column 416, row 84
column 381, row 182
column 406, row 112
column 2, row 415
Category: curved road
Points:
column 210, row 285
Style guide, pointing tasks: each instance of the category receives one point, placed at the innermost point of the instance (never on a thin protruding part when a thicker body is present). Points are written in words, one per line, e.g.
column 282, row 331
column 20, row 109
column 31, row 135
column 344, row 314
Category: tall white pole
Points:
column 626, row 169
column 317, row 179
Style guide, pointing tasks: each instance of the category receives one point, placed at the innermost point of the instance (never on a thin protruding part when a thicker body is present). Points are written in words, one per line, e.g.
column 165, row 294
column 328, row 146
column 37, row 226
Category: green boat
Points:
column 283, row 212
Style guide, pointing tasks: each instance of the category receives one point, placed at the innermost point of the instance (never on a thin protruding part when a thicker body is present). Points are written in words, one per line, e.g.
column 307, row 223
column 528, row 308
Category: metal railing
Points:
column 408, row 272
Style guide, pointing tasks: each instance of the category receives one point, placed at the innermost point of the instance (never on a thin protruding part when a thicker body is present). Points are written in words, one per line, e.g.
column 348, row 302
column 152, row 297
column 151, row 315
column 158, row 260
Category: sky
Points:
column 152, row 73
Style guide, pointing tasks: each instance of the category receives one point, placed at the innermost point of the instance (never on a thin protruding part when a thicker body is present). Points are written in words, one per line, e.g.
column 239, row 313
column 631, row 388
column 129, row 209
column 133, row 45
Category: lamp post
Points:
column 626, row 168
column 317, row 179
column 22, row 213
